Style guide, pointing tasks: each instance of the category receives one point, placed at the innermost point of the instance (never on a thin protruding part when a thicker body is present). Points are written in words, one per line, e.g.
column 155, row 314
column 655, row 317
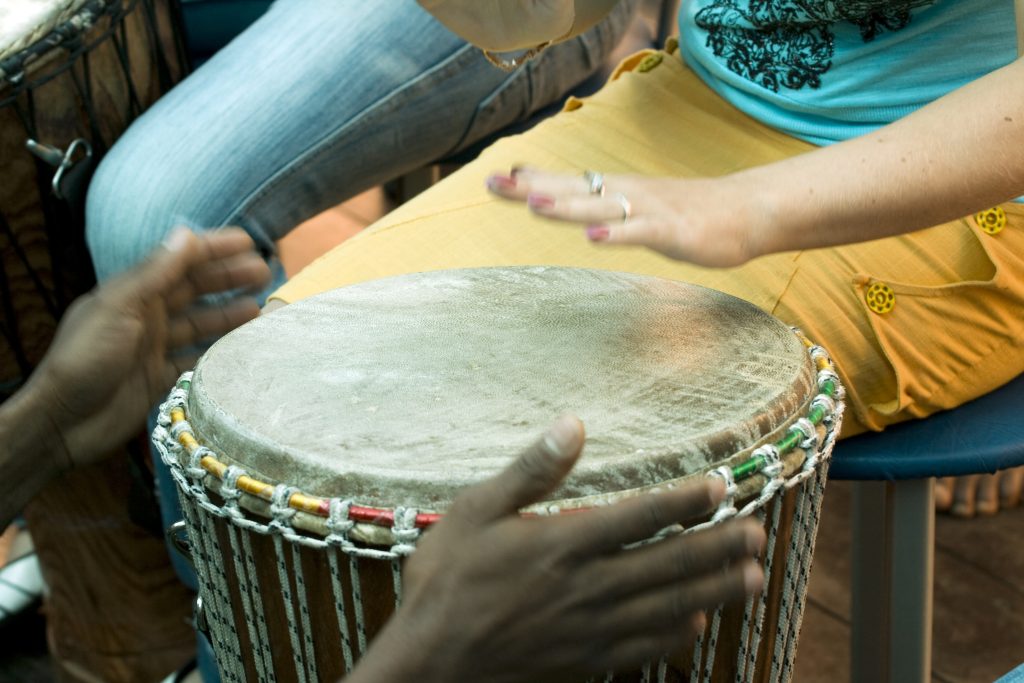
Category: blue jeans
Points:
column 314, row 103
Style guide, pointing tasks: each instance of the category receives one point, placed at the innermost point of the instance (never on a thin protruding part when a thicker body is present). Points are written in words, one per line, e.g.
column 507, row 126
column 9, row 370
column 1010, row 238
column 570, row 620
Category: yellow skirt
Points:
column 954, row 332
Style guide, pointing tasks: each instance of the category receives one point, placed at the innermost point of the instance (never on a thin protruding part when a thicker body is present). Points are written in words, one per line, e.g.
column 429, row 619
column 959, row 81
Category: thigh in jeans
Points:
column 312, row 104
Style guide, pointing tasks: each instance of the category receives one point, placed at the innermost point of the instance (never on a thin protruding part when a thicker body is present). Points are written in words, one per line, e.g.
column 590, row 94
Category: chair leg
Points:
column 892, row 556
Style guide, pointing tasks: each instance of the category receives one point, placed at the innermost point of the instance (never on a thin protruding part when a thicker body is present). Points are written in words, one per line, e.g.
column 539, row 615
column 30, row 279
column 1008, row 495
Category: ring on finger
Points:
column 595, row 181
column 627, row 207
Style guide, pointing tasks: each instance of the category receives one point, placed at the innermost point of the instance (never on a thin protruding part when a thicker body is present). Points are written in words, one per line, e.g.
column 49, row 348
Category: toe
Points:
column 965, row 493
column 987, row 497
column 1010, row 484
column 944, row 493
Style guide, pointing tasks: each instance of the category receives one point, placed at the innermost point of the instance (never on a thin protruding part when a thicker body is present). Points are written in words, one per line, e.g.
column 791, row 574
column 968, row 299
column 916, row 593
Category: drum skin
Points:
column 115, row 611
column 404, row 390
column 399, row 392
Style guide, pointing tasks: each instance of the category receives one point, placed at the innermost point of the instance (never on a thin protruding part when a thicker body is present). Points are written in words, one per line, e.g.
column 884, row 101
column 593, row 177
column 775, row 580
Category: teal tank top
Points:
column 828, row 70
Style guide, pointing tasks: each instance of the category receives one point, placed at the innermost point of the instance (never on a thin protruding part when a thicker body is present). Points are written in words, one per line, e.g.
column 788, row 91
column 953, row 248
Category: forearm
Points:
column 31, row 453
column 955, row 156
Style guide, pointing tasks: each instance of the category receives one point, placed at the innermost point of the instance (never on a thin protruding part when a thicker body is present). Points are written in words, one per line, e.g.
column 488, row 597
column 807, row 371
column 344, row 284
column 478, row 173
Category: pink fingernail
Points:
column 597, row 233
column 501, row 182
column 540, row 201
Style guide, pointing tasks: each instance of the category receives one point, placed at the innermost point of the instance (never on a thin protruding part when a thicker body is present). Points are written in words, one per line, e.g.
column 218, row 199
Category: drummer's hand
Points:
column 713, row 222
column 492, row 596
column 120, row 348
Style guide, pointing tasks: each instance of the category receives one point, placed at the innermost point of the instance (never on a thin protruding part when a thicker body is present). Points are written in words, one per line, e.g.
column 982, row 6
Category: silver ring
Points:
column 627, row 208
column 596, row 182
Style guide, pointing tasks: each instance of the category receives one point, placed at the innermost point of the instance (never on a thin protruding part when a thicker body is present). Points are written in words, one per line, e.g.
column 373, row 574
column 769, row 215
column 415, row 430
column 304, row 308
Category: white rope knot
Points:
column 727, row 507
column 338, row 523
column 229, row 489
column 773, row 461
column 810, row 432
column 827, row 405
column 819, row 353
column 828, row 375
column 178, row 428
column 163, row 416
column 279, row 508
column 404, row 531
column 195, row 460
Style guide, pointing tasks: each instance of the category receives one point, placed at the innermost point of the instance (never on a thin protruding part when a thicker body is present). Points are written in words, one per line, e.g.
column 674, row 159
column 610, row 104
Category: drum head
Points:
column 24, row 22
column 401, row 391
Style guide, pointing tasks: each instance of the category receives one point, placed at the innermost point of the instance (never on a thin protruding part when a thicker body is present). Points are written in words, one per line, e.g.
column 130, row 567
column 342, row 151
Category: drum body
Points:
column 73, row 75
column 313, row 446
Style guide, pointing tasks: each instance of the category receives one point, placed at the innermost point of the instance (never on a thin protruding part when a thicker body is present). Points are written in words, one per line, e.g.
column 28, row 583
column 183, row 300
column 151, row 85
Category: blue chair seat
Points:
column 984, row 435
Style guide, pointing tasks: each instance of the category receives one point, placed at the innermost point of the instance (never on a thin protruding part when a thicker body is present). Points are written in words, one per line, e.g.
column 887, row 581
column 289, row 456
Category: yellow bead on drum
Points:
column 366, row 409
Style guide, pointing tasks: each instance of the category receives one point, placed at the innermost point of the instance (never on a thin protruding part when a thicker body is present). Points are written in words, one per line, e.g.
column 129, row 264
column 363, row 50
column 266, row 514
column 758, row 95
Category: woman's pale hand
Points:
column 715, row 222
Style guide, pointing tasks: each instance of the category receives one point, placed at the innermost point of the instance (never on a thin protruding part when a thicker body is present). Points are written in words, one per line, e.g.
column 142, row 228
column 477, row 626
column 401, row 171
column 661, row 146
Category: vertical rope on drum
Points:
column 803, row 529
column 357, row 604
column 213, row 609
column 338, row 592
column 219, row 584
column 230, row 494
column 257, row 602
column 762, row 603
column 746, row 626
column 282, row 516
column 698, row 659
column 307, row 627
column 289, row 607
column 396, row 581
column 119, row 37
column 156, row 54
column 248, row 588
column 709, row 658
column 645, row 673
column 816, row 497
column 662, row 670
column 788, row 586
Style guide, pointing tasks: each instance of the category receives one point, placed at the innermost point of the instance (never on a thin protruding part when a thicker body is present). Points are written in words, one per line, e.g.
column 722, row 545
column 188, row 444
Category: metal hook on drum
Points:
column 177, row 538
column 62, row 160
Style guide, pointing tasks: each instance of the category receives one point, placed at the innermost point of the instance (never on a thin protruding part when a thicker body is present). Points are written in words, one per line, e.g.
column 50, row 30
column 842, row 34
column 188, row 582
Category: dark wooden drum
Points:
column 73, row 75
column 313, row 446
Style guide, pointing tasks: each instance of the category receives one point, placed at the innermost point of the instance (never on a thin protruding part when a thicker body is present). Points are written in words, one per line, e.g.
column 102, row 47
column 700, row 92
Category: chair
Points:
column 893, row 535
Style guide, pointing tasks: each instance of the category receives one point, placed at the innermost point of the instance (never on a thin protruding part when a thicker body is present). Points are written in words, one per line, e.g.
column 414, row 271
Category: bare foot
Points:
column 979, row 494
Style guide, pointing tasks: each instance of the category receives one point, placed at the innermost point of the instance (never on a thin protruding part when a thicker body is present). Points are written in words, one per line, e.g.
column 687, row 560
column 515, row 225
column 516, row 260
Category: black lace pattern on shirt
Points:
column 790, row 43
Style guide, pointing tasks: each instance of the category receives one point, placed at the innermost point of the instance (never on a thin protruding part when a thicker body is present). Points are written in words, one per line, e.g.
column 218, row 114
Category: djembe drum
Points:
column 313, row 446
column 73, row 75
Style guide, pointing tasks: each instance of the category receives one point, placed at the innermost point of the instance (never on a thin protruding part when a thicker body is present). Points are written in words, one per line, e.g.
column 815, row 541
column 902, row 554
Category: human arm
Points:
column 116, row 351
column 490, row 596
column 504, row 25
column 950, row 158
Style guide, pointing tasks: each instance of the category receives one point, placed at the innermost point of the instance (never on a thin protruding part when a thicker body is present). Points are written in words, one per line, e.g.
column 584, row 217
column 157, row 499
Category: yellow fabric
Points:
column 954, row 331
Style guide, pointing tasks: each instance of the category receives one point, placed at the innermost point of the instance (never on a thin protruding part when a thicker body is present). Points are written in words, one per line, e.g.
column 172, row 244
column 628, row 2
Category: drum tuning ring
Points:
column 60, row 159
column 199, row 617
column 177, row 537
